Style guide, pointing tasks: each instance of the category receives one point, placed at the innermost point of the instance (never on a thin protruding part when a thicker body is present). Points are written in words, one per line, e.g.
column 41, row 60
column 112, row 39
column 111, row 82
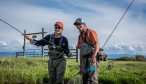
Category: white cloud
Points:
column 3, row 44
column 124, row 48
column 101, row 17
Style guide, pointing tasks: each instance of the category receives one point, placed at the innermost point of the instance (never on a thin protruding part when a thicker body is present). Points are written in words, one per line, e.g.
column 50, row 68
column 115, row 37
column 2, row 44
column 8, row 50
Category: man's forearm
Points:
column 96, row 49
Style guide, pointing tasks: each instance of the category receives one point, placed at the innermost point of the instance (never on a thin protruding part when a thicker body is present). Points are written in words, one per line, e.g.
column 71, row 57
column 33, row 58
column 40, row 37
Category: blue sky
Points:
column 100, row 15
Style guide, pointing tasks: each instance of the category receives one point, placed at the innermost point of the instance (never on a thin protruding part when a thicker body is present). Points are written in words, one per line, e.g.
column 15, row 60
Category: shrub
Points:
column 139, row 58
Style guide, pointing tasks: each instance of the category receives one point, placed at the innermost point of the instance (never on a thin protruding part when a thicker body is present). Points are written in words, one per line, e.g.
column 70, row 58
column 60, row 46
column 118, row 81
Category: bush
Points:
column 125, row 59
column 139, row 58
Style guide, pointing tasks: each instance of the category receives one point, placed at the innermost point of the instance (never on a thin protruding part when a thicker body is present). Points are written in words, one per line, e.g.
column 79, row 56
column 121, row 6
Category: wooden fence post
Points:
column 77, row 55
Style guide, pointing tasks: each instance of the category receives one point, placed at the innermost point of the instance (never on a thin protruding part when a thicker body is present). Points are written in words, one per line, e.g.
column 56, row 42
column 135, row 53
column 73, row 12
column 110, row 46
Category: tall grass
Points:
column 33, row 70
column 23, row 70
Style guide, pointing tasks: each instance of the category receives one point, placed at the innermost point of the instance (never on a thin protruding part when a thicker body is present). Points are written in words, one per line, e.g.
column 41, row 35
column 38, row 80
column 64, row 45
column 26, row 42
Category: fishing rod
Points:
column 118, row 23
column 11, row 26
column 56, row 46
column 101, row 49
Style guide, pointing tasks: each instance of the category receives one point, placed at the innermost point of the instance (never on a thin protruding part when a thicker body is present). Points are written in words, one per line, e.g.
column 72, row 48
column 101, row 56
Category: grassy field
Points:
column 34, row 71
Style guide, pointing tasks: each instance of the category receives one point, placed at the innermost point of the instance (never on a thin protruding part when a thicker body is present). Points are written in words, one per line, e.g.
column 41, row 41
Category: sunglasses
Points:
column 77, row 24
column 56, row 27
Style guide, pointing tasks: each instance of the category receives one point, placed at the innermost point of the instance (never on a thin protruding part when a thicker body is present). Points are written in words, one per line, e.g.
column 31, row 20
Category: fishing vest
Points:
column 54, row 51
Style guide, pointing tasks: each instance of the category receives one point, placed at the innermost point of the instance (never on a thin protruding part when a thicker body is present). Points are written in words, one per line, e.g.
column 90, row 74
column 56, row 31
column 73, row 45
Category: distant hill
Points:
column 14, row 53
column 113, row 56
column 7, row 53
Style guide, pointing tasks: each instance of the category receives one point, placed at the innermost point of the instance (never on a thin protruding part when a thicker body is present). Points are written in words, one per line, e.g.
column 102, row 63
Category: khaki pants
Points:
column 56, row 68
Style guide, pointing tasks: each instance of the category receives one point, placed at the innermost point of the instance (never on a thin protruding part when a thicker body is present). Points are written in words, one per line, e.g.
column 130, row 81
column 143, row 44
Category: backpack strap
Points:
column 61, row 39
column 51, row 39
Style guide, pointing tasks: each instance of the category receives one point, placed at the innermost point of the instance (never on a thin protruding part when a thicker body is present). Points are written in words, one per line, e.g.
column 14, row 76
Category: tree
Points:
column 139, row 57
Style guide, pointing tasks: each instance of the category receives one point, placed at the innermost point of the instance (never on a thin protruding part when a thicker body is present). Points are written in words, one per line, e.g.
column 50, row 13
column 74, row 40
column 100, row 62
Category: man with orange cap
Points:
column 88, row 44
column 58, row 45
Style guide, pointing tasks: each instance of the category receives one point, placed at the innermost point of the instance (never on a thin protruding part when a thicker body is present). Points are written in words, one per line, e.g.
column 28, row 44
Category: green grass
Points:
column 23, row 70
column 122, row 72
column 33, row 70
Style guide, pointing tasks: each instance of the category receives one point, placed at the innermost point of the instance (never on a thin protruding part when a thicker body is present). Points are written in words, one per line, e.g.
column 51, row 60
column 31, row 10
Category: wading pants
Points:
column 56, row 68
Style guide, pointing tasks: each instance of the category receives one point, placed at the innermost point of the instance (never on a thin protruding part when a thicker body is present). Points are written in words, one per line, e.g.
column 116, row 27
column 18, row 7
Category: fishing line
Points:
column 118, row 23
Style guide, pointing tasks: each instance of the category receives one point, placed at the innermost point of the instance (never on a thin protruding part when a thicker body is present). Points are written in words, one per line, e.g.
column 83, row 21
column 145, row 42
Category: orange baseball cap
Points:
column 60, row 24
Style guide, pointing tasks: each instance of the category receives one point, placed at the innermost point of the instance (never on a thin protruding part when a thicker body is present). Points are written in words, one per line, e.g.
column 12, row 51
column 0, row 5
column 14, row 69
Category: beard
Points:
column 81, row 30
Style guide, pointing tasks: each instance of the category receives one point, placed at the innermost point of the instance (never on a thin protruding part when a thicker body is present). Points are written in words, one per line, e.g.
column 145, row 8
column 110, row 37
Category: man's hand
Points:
column 70, row 55
column 93, row 60
column 29, row 37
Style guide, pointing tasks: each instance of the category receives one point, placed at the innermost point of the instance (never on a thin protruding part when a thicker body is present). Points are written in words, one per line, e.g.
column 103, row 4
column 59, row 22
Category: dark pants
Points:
column 56, row 68
column 87, row 76
column 90, row 78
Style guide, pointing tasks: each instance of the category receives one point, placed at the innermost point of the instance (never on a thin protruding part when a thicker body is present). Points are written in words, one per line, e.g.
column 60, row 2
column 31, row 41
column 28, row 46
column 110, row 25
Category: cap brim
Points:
column 77, row 23
column 56, row 25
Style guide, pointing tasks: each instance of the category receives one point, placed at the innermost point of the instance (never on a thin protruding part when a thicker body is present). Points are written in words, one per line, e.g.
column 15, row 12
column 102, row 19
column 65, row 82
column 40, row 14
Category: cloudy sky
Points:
column 100, row 15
